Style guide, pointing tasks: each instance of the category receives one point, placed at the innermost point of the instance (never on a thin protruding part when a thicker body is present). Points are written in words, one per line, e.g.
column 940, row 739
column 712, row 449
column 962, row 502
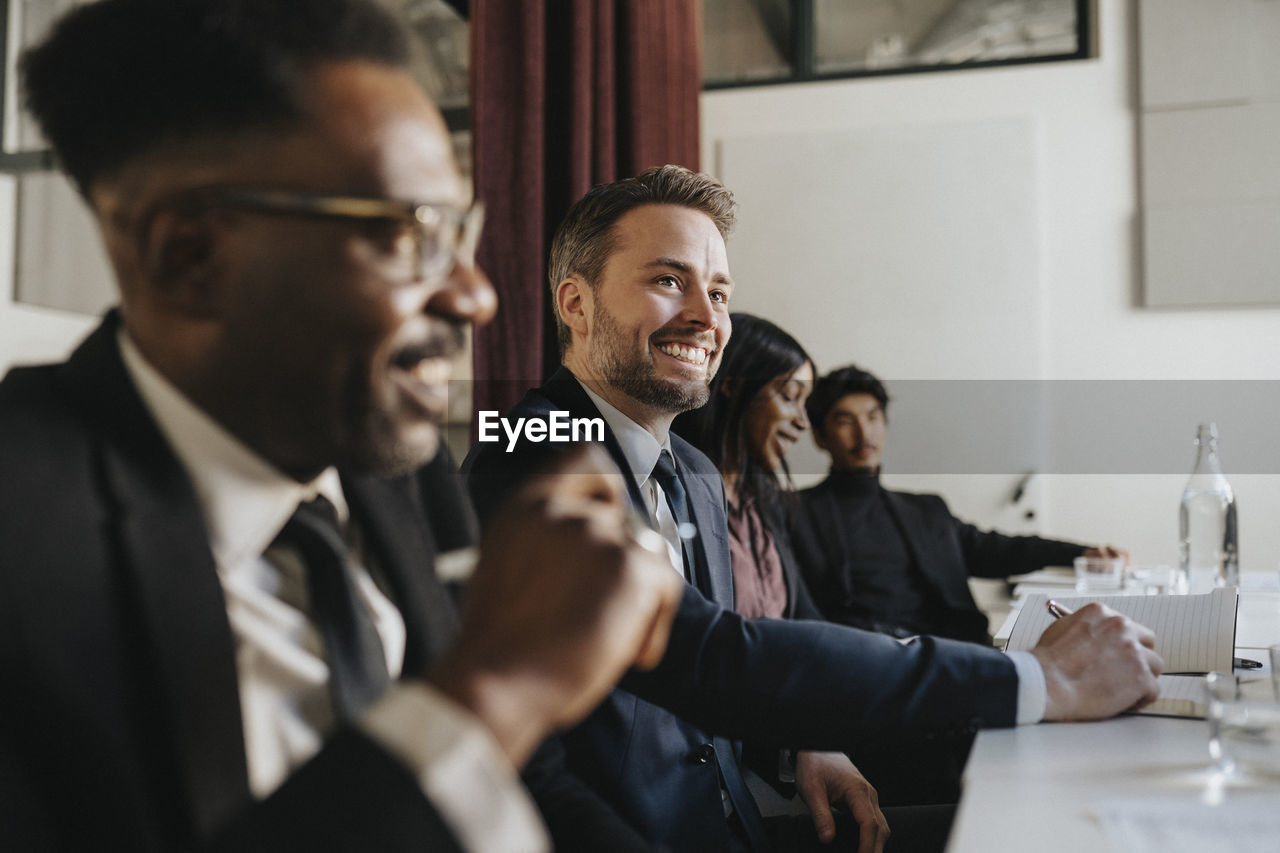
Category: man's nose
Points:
column 466, row 295
column 698, row 309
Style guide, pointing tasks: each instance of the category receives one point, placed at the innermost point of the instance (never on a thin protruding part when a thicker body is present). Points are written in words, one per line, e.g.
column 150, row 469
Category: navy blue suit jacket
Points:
column 804, row 684
column 658, row 770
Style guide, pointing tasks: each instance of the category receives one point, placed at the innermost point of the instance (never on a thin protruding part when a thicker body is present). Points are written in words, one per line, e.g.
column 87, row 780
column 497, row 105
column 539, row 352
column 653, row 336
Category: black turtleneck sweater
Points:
column 899, row 563
column 889, row 592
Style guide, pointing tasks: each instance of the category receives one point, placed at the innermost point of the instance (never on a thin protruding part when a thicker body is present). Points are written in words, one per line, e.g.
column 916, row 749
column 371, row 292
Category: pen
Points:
column 1245, row 663
column 1056, row 610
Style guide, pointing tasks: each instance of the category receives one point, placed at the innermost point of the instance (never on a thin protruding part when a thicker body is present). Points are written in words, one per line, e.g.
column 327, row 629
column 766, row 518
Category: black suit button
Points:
column 704, row 754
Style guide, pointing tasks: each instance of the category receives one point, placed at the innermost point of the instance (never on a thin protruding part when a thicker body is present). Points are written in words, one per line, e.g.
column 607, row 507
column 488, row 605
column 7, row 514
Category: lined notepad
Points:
column 1194, row 633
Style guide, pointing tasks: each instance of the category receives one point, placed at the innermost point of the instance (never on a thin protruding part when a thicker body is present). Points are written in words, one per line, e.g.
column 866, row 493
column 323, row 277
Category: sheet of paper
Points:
column 1243, row 822
column 1194, row 633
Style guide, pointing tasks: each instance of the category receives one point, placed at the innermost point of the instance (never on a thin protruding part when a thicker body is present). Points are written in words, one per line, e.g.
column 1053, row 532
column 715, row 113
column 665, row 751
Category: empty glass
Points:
column 1099, row 574
column 1244, row 725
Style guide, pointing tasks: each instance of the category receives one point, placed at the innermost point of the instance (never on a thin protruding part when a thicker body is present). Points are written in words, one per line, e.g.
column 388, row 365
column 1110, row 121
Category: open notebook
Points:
column 1195, row 634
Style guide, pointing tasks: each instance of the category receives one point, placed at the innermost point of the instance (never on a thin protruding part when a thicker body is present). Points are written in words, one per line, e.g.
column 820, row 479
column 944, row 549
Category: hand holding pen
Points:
column 1096, row 663
column 1057, row 611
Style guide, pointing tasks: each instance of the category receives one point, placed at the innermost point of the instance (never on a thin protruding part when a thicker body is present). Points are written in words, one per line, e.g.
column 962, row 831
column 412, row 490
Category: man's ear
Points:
column 180, row 260
column 573, row 302
column 815, row 430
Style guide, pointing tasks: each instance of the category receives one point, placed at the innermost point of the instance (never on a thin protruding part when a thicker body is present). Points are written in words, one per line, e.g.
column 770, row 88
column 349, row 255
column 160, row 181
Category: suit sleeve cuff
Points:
column 1032, row 693
column 459, row 767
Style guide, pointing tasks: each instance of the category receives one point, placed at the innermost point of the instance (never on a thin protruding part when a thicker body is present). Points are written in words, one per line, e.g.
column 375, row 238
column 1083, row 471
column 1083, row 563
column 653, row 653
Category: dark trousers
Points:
column 914, row 829
column 916, row 772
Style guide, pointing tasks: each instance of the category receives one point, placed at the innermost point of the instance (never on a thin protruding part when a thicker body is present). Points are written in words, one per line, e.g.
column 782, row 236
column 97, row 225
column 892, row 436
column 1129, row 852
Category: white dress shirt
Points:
column 282, row 673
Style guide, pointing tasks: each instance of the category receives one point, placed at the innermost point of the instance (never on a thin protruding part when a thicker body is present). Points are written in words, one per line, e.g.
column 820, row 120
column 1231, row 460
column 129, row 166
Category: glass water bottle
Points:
column 1207, row 537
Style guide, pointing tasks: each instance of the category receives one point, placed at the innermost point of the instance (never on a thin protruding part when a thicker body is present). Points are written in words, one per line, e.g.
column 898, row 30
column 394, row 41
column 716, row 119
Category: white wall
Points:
column 1091, row 323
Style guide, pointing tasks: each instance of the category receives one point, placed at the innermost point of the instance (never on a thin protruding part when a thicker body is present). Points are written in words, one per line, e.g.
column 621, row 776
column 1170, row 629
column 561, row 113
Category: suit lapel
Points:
column 564, row 391
column 775, row 520
column 910, row 523
column 825, row 508
column 917, row 533
column 168, row 575
column 392, row 518
column 704, row 499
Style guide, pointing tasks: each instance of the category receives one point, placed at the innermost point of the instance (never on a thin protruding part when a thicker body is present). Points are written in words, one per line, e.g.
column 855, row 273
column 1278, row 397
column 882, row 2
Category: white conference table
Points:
column 1034, row 787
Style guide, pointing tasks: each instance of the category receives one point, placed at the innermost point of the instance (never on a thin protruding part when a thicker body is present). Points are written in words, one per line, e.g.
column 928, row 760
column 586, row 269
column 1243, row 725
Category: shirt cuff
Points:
column 1033, row 695
column 459, row 767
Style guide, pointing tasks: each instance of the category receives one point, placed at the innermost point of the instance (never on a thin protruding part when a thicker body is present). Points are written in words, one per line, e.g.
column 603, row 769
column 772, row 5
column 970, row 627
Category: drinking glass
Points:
column 1244, row 726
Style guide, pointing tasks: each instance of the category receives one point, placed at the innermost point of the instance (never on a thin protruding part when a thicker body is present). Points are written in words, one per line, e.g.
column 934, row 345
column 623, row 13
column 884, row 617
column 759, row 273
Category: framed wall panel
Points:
column 1210, row 115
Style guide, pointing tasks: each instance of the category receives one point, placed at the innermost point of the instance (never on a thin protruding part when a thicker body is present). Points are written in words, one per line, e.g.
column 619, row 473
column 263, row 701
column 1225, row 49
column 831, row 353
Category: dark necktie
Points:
column 744, row 805
column 664, row 472
column 357, row 663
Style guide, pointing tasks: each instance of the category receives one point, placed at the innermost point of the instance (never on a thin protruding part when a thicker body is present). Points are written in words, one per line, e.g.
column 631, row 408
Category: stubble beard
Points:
column 636, row 376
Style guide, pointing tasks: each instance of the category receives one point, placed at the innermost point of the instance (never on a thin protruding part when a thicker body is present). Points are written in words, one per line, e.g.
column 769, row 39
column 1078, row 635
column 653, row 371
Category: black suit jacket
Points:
column 806, row 684
column 947, row 552
column 120, row 718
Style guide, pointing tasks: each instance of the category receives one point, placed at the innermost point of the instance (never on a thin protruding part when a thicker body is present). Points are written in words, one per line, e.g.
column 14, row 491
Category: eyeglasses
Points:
column 443, row 234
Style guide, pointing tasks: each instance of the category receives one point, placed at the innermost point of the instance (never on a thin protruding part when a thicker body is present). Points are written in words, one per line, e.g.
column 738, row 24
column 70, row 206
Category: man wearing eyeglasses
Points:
column 219, row 627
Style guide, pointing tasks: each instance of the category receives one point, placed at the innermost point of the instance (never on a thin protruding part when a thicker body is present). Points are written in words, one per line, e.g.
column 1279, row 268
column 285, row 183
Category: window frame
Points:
column 804, row 61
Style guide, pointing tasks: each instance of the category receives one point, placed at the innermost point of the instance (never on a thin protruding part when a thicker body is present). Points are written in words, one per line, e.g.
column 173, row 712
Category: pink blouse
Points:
column 759, row 588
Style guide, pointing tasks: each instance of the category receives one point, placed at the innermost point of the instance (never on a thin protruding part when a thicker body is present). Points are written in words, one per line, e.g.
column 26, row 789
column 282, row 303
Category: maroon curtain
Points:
column 565, row 94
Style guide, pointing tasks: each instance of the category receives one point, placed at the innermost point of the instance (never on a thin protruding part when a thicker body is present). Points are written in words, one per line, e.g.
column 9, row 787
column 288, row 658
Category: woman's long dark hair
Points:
column 758, row 352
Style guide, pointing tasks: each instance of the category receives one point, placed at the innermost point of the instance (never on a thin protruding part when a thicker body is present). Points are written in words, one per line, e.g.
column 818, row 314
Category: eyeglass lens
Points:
column 445, row 239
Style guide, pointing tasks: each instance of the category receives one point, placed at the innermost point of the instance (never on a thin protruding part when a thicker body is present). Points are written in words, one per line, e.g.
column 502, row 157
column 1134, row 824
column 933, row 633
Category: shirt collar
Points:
column 639, row 447
column 244, row 499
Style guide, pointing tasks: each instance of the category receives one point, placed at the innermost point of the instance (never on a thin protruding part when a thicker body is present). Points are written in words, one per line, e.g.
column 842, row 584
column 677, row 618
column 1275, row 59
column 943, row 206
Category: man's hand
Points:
column 562, row 602
column 1096, row 664
column 823, row 778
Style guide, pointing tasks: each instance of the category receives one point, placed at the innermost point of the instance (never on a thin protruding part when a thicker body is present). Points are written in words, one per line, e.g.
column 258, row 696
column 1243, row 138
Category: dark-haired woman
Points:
column 754, row 416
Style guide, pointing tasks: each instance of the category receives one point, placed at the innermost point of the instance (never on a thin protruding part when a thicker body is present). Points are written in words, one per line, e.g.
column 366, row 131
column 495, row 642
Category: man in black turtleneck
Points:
column 892, row 561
